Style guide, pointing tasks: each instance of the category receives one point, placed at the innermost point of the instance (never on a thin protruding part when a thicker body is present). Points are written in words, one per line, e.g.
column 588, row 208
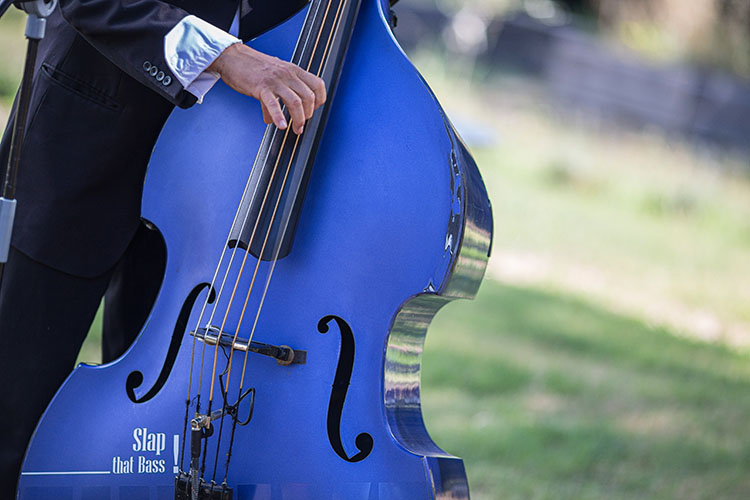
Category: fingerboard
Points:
column 273, row 197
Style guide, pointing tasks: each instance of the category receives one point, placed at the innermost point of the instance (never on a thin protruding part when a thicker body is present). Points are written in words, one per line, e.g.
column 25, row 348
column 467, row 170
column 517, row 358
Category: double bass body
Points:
column 395, row 223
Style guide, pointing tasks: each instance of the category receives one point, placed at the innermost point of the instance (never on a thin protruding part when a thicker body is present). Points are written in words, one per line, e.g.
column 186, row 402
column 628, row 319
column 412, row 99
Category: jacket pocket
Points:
column 79, row 87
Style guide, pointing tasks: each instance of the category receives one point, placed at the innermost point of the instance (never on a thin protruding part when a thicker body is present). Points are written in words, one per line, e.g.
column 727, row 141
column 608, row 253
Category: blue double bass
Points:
column 281, row 359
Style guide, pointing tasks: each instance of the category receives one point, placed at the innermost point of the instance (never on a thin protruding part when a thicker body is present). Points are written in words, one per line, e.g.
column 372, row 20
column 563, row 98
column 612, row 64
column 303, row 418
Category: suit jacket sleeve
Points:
column 130, row 33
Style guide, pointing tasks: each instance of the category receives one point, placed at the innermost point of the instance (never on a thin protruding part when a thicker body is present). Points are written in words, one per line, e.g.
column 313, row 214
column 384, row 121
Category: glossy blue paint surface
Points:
column 382, row 223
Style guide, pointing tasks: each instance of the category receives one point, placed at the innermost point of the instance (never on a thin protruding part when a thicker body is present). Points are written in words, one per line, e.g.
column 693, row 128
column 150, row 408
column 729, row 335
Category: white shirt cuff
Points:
column 190, row 48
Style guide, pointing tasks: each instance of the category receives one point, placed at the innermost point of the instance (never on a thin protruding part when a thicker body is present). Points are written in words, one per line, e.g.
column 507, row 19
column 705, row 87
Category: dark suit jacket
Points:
column 102, row 91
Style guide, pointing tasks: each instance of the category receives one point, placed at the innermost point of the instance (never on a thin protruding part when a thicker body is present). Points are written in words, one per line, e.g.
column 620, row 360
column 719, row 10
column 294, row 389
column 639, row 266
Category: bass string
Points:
column 245, row 220
column 277, row 249
column 221, row 330
column 278, row 244
column 278, row 200
column 231, row 351
column 200, row 319
column 273, row 218
column 192, row 350
column 252, row 236
column 224, row 319
column 273, row 131
column 268, row 280
column 237, row 281
column 254, row 276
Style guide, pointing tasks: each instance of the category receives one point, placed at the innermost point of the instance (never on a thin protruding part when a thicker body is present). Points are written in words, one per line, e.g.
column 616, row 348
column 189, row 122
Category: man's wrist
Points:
column 218, row 64
column 190, row 48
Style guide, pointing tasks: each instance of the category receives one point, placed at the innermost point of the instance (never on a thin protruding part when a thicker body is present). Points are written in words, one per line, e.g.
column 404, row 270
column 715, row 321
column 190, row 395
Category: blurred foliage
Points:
column 12, row 52
column 710, row 32
column 713, row 33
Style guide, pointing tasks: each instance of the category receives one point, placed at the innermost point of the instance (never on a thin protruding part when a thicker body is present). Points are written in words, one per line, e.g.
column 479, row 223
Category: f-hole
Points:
column 363, row 441
column 135, row 378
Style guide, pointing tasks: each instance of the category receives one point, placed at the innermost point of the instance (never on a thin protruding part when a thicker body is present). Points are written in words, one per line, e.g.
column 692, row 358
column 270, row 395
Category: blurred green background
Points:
column 607, row 354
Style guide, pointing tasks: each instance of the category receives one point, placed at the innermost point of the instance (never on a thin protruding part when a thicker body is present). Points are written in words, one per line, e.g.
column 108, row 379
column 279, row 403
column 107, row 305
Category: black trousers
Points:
column 44, row 317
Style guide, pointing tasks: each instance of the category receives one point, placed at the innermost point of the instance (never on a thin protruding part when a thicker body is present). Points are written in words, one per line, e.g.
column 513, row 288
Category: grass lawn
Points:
column 561, row 399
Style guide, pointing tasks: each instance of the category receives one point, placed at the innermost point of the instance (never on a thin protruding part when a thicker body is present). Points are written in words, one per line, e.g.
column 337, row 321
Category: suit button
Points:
column 146, row 66
column 167, row 80
column 153, row 71
column 160, row 76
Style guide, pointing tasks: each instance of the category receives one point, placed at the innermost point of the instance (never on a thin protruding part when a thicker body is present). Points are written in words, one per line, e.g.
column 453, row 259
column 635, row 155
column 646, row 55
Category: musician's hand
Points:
column 269, row 79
